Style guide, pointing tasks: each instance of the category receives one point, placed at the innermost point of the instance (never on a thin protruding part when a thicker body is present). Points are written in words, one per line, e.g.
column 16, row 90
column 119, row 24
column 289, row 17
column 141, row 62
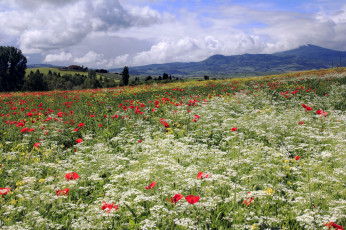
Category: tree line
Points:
column 13, row 76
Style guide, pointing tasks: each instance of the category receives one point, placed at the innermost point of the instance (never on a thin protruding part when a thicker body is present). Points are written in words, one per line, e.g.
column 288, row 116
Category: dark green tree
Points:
column 165, row 76
column 35, row 82
column 12, row 68
column 125, row 76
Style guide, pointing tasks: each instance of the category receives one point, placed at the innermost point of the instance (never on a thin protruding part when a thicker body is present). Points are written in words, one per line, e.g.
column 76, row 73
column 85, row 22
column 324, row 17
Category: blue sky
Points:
column 115, row 33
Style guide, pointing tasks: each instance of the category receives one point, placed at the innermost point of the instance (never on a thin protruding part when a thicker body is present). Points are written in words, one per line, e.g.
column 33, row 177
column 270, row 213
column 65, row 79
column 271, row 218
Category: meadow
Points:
column 250, row 153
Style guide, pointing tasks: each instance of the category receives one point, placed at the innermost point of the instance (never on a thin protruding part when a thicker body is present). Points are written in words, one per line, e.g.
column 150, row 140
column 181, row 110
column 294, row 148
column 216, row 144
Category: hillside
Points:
column 303, row 58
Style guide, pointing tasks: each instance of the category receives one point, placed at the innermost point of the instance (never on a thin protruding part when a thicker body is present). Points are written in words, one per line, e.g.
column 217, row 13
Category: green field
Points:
column 250, row 153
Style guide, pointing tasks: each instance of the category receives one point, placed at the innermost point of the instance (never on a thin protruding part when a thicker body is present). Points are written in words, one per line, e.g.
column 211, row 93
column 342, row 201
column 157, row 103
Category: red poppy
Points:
column 296, row 158
column 80, row 125
column 24, row 130
column 234, row 129
column 175, row 198
column 300, row 122
column 80, row 140
column 201, row 175
column 139, row 141
column 307, row 108
column 248, row 201
column 109, row 207
column 192, row 199
column 100, row 125
column 334, row 225
column 152, row 185
column 36, row 145
column 4, row 191
column 63, row 192
column 198, row 117
column 76, row 129
column 71, row 176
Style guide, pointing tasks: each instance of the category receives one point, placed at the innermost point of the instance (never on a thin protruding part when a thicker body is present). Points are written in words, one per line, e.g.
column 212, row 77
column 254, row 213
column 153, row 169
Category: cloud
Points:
column 114, row 33
column 61, row 57
column 50, row 27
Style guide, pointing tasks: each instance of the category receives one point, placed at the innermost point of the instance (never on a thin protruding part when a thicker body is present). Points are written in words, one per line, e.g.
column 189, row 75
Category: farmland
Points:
column 250, row 153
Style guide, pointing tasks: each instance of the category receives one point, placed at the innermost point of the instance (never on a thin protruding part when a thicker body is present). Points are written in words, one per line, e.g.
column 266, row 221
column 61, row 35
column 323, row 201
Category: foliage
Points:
column 12, row 68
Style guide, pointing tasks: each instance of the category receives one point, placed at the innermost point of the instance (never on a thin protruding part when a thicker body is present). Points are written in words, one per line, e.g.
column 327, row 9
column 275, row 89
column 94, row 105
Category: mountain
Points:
column 302, row 58
column 43, row 66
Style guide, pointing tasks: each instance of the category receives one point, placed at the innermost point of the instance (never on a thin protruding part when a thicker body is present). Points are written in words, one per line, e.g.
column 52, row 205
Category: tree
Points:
column 35, row 82
column 12, row 68
column 125, row 75
column 165, row 76
column 206, row 77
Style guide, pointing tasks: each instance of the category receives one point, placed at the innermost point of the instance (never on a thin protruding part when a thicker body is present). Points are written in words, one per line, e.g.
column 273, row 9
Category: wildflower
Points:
column 36, row 145
column 334, row 225
column 80, row 125
column 234, row 129
column 71, row 176
column 248, row 201
column 192, row 199
column 63, row 192
column 100, row 125
column 4, row 191
column 109, row 207
column 139, row 141
column 307, row 108
column 296, row 158
column 201, row 175
column 24, row 130
column 80, row 140
column 152, row 185
column 175, row 198
column 76, row 129
column 300, row 122
column 269, row 191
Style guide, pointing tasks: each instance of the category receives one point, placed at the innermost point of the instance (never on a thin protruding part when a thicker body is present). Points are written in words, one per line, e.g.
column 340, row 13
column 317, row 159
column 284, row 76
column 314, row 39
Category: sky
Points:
column 116, row 33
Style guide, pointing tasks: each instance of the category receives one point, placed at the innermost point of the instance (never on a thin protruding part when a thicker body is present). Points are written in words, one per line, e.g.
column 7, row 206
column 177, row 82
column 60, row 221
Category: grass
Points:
column 281, row 168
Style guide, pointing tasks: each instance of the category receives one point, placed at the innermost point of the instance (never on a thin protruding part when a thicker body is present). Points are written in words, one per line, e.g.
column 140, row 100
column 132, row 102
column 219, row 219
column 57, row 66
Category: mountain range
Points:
column 305, row 57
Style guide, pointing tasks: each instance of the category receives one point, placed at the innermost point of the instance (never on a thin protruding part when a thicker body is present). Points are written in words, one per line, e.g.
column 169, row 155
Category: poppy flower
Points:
column 24, row 130
column 296, row 158
column 80, row 140
column 300, row 122
column 139, row 141
column 63, row 192
column 248, row 201
column 192, row 199
column 234, row 129
column 109, row 207
column 175, row 198
column 71, row 176
column 80, row 125
column 152, row 185
column 334, row 225
column 36, row 145
column 201, row 175
column 4, row 191
column 307, row 108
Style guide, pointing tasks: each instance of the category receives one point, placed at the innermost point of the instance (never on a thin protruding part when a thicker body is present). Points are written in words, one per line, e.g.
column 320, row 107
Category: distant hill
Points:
column 303, row 58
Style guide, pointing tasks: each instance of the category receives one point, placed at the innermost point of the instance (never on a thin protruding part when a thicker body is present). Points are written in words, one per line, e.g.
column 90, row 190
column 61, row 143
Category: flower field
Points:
column 252, row 153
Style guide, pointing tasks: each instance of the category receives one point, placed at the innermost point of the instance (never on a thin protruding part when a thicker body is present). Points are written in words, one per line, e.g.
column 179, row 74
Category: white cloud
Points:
column 114, row 33
column 61, row 57
column 90, row 57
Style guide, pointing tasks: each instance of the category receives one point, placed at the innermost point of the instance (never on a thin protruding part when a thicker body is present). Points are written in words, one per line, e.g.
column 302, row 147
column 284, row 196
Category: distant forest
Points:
column 13, row 76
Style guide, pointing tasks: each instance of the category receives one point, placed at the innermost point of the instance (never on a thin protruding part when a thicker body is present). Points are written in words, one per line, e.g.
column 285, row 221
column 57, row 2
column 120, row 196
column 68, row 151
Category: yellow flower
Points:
column 41, row 180
column 269, row 191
